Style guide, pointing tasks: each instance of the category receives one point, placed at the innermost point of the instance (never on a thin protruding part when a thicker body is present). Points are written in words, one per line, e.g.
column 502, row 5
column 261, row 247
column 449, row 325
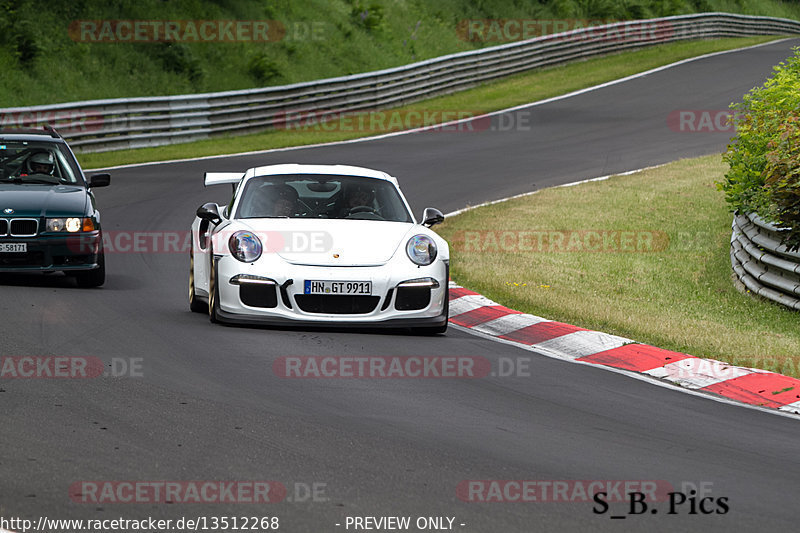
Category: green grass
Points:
column 672, row 287
column 519, row 89
column 44, row 62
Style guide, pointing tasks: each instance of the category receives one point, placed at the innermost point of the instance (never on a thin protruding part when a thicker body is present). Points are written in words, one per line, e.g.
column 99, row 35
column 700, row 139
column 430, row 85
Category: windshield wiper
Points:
column 32, row 179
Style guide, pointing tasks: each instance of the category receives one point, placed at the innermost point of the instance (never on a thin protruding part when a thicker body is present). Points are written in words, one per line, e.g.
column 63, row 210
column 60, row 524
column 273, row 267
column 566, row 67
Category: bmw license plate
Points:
column 13, row 247
column 337, row 287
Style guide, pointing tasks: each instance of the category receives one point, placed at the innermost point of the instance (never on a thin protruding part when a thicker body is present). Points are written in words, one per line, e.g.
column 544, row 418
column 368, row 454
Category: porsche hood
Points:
column 334, row 243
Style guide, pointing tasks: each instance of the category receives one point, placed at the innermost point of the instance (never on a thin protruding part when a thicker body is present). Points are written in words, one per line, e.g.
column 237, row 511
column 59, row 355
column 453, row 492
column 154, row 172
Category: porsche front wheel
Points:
column 195, row 304
column 213, row 291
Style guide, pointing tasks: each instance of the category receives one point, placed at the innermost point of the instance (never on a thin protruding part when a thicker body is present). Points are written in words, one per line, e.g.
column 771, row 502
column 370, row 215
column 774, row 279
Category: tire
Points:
column 195, row 304
column 95, row 277
column 213, row 291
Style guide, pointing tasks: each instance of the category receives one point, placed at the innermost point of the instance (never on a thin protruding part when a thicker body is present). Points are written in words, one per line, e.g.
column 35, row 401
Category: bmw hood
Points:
column 34, row 200
column 325, row 242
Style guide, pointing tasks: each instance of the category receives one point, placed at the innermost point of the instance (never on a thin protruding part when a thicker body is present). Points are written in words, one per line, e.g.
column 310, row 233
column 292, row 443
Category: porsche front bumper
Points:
column 274, row 293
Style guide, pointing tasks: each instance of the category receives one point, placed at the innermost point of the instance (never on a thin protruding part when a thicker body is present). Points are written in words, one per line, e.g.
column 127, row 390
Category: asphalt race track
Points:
column 204, row 403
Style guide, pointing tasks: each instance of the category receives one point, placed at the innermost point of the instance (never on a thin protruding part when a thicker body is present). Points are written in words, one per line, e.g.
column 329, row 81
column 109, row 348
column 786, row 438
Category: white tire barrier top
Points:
column 762, row 264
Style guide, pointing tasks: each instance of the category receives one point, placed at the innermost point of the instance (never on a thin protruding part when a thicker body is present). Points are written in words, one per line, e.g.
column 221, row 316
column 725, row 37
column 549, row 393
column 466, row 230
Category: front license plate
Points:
column 337, row 287
column 13, row 247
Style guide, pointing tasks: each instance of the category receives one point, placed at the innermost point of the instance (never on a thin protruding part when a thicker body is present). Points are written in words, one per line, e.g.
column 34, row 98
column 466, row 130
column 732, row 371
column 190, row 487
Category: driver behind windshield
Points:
column 358, row 196
column 40, row 163
column 275, row 201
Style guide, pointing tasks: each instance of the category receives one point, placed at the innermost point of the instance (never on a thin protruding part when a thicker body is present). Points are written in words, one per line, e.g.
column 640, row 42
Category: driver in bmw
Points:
column 40, row 163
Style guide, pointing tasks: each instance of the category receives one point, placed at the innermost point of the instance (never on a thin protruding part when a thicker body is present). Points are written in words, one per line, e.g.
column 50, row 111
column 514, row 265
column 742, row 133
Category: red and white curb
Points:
column 478, row 314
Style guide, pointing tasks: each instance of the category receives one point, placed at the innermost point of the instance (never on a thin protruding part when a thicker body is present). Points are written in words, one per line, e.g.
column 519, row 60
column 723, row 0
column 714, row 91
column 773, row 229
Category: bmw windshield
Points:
column 37, row 162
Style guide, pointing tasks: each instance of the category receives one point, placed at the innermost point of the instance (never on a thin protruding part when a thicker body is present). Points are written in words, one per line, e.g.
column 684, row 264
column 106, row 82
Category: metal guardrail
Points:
column 762, row 264
column 101, row 125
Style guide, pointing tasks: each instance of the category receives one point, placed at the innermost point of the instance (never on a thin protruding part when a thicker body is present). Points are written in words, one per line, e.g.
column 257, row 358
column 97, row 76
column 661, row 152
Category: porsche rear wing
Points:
column 218, row 178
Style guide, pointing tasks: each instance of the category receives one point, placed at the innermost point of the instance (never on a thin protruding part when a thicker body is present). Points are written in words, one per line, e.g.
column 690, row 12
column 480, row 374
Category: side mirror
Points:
column 99, row 180
column 432, row 216
column 210, row 212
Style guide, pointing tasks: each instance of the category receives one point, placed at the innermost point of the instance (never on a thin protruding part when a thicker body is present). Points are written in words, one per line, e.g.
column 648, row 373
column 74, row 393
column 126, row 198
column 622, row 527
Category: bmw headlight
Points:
column 421, row 250
column 73, row 225
column 245, row 246
column 70, row 225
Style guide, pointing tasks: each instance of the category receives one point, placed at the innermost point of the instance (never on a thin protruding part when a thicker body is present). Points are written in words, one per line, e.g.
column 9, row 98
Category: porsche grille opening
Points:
column 412, row 298
column 339, row 304
column 258, row 295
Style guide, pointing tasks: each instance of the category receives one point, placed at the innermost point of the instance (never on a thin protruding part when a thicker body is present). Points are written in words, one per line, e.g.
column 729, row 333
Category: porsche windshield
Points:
column 36, row 162
column 320, row 196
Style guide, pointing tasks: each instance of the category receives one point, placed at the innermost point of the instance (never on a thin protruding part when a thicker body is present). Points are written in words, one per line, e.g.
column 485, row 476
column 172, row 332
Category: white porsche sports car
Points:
column 317, row 244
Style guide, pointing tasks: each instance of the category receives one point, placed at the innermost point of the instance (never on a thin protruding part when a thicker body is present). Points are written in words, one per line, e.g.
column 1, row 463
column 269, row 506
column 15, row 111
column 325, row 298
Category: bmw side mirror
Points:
column 99, row 180
column 431, row 217
column 210, row 212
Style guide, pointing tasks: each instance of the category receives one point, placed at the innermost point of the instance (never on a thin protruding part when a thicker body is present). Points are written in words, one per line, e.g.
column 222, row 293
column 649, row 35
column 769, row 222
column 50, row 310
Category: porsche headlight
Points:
column 421, row 250
column 70, row 225
column 245, row 246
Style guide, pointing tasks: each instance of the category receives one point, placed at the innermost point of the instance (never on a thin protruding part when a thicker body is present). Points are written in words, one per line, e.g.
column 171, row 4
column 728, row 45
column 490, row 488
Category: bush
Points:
column 370, row 17
column 263, row 69
column 782, row 179
column 763, row 157
column 178, row 58
column 17, row 34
